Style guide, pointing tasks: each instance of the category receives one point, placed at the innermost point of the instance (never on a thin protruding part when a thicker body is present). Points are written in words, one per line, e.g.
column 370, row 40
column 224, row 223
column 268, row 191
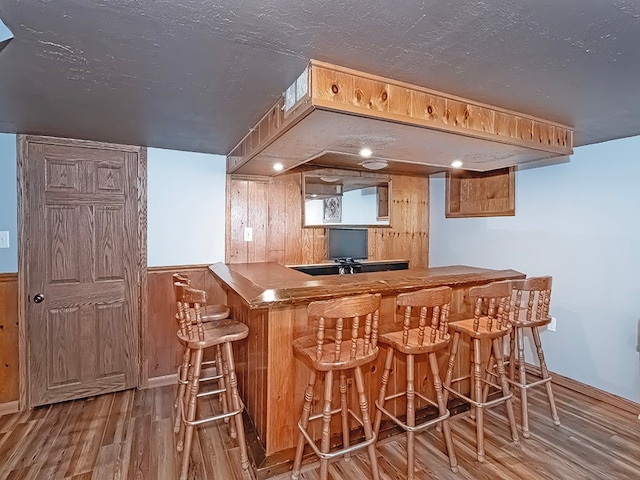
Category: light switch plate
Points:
column 4, row 239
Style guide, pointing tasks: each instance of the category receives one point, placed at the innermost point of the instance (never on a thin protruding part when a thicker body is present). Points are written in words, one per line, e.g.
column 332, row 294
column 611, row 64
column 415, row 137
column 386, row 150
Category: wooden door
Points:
column 83, row 228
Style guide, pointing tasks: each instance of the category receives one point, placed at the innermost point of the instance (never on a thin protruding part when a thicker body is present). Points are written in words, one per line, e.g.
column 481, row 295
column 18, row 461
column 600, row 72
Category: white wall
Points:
column 579, row 222
column 186, row 207
column 183, row 189
column 8, row 202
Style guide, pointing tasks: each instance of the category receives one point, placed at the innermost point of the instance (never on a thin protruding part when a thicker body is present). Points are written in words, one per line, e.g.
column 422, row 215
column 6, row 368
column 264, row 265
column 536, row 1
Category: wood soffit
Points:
column 332, row 112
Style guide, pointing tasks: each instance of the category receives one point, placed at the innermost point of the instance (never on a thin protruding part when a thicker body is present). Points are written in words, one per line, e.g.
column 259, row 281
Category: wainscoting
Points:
column 160, row 351
column 8, row 340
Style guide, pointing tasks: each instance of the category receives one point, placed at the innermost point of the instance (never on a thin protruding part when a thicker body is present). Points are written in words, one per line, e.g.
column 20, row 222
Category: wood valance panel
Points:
column 337, row 111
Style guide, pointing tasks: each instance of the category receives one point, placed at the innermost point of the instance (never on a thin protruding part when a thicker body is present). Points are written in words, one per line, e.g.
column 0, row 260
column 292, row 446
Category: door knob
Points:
column 38, row 298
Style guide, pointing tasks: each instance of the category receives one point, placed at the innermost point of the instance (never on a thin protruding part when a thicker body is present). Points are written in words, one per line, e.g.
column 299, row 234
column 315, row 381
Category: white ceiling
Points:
column 196, row 75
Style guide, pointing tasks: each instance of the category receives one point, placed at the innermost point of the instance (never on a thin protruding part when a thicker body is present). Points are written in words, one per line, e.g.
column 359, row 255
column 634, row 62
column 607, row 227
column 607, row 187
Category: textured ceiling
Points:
column 194, row 75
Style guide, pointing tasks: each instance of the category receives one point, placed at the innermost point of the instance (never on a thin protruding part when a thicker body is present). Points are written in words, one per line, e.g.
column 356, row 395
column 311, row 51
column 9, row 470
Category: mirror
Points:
column 339, row 197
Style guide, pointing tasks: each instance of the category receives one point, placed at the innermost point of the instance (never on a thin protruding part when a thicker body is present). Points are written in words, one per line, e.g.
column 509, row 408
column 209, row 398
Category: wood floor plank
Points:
column 129, row 435
column 94, row 419
column 140, row 447
column 58, row 458
column 121, row 408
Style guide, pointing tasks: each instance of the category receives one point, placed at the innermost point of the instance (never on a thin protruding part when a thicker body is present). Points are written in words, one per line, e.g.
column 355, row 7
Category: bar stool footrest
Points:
column 542, row 381
column 489, row 403
column 220, row 416
column 403, row 425
column 335, row 453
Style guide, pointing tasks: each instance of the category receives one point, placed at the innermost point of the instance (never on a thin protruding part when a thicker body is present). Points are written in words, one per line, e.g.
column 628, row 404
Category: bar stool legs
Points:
column 327, row 412
column 517, row 337
column 236, row 403
column 410, row 395
column 188, row 407
column 304, row 424
column 478, row 395
column 530, row 309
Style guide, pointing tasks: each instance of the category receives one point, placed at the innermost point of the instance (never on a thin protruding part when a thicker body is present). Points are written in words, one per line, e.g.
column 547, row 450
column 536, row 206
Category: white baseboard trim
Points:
column 9, row 407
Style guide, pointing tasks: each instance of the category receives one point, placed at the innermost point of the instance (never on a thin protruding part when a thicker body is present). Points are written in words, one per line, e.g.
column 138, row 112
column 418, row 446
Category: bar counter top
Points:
column 264, row 285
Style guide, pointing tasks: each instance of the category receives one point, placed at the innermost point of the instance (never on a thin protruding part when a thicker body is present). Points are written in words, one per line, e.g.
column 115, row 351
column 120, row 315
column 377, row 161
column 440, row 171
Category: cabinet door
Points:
column 481, row 194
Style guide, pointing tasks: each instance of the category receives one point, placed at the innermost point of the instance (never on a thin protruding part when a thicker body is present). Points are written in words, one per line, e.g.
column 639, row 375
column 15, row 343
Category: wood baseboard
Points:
column 172, row 379
column 9, row 407
column 589, row 391
column 162, row 381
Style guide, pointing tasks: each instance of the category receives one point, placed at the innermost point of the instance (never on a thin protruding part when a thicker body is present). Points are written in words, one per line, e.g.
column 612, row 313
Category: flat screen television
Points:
column 347, row 243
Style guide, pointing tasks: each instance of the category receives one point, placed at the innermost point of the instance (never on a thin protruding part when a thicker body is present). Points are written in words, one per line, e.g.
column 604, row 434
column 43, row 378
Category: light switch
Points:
column 248, row 234
column 4, row 239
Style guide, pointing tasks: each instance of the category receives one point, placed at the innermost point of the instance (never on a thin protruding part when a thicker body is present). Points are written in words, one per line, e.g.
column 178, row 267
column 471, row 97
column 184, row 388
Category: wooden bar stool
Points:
column 326, row 352
column 419, row 340
column 211, row 313
column 490, row 322
column 196, row 336
column 530, row 309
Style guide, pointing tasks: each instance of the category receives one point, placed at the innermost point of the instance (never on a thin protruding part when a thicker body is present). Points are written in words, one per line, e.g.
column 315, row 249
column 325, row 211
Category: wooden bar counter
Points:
column 272, row 300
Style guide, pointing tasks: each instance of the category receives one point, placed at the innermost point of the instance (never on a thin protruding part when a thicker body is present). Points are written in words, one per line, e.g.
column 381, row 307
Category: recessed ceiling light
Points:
column 278, row 167
column 366, row 152
column 456, row 163
column 374, row 164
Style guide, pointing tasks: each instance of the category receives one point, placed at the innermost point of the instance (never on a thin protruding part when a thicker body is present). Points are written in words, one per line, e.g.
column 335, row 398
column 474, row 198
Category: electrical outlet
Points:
column 248, row 234
column 552, row 326
column 4, row 239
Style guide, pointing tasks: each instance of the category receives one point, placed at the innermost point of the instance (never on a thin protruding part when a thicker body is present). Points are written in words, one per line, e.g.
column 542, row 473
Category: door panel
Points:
column 82, row 248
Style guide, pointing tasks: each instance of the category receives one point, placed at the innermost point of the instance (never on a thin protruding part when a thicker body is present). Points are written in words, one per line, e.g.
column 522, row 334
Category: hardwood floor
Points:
column 129, row 435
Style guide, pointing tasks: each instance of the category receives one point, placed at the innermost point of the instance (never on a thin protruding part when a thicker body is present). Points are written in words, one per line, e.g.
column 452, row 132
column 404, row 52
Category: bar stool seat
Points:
column 196, row 336
column 306, row 350
column 489, row 323
column 216, row 333
column 214, row 312
column 327, row 352
column 417, row 338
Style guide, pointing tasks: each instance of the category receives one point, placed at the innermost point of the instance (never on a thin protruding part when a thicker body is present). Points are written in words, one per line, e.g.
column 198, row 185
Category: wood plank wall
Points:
column 8, row 337
column 161, row 352
column 272, row 207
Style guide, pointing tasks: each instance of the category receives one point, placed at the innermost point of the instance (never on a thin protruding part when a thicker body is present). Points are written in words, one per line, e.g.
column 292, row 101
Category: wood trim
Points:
column 23, row 271
column 9, row 407
column 178, row 268
column 8, row 277
column 398, row 83
column 589, row 391
column 81, row 143
column 452, row 114
column 142, row 266
column 161, row 381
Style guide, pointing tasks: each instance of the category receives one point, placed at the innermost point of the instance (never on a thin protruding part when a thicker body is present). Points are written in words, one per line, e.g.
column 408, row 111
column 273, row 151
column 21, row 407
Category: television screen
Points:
column 347, row 243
